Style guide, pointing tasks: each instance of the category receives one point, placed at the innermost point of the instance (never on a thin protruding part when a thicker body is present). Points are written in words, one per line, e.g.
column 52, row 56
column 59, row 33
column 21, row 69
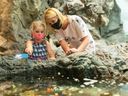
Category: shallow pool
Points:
column 50, row 86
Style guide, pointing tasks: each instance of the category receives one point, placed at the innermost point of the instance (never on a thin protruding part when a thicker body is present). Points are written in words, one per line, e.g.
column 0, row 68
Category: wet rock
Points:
column 74, row 5
column 69, row 68
column 103, row 17
column 80, row 65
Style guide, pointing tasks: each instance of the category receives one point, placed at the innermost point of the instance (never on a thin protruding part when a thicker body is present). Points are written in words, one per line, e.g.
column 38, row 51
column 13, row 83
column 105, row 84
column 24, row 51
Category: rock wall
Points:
column 114, row 23
column 15, row 19
column 102, row 16
column 109, row 62
column 6, row 36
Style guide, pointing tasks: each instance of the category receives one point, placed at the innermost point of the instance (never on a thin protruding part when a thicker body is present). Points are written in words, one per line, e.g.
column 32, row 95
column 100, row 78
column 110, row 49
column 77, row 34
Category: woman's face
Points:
column 54, row 22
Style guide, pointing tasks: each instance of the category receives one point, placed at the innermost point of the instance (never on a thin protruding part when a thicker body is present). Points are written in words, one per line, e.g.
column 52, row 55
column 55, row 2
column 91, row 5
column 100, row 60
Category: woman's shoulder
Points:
column 74, row 17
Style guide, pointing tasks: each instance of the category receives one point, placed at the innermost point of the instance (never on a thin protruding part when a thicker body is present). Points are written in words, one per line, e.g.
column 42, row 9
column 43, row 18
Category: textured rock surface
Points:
column 103, row 19
column 105, row 64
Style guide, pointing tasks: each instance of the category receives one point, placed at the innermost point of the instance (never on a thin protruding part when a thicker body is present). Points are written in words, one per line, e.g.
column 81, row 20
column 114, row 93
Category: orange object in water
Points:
column 56, row 94
column 106, row 94
column 49, row 90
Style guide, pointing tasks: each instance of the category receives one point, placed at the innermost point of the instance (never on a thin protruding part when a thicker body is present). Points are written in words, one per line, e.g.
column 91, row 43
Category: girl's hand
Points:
column 52, row 58
column 29, row 50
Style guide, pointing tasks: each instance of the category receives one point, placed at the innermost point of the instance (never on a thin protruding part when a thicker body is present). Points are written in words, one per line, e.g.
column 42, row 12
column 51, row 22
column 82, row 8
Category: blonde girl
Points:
column 38, row 47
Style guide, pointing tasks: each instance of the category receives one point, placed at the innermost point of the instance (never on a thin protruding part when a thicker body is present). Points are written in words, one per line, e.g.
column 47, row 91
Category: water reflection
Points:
column 23, row 86
column 124, row 90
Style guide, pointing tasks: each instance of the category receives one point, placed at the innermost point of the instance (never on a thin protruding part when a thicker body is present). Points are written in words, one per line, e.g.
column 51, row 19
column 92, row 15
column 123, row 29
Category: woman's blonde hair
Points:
column 49, row 13
column 36, row 24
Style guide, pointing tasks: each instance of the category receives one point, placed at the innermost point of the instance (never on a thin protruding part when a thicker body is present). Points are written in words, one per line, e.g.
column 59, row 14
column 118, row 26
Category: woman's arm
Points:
column 65, row 46
column 84, row 43
column 83, row 34
column 68, row 50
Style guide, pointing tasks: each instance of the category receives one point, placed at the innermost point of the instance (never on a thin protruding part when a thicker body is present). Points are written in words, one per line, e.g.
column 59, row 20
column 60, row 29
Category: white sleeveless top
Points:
column 75, row 31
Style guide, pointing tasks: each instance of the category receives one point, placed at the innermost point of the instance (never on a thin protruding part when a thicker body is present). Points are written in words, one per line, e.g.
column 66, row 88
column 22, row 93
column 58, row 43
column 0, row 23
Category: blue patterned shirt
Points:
column 39, row 52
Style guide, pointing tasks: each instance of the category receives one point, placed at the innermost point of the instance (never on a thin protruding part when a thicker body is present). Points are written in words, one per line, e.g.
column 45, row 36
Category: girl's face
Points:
column 38, row 34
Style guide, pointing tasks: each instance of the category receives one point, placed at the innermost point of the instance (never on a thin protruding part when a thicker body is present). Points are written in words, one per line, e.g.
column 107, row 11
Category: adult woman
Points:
column 70, row 30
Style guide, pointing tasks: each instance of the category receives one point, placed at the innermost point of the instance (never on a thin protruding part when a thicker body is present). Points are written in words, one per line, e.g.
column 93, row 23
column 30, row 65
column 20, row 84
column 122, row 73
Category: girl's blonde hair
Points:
column 36, row 24
column 49, row 13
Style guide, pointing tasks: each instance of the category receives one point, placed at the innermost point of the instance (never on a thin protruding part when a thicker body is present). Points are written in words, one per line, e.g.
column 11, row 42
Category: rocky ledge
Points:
column 109, row 62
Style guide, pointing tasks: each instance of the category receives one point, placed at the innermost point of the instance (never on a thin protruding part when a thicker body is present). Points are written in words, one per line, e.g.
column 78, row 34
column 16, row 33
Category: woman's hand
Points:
column 84, row 43
column 72, row 50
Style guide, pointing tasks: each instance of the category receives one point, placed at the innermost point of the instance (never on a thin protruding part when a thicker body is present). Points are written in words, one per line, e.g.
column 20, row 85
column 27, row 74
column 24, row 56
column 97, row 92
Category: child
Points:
column 38, row 47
